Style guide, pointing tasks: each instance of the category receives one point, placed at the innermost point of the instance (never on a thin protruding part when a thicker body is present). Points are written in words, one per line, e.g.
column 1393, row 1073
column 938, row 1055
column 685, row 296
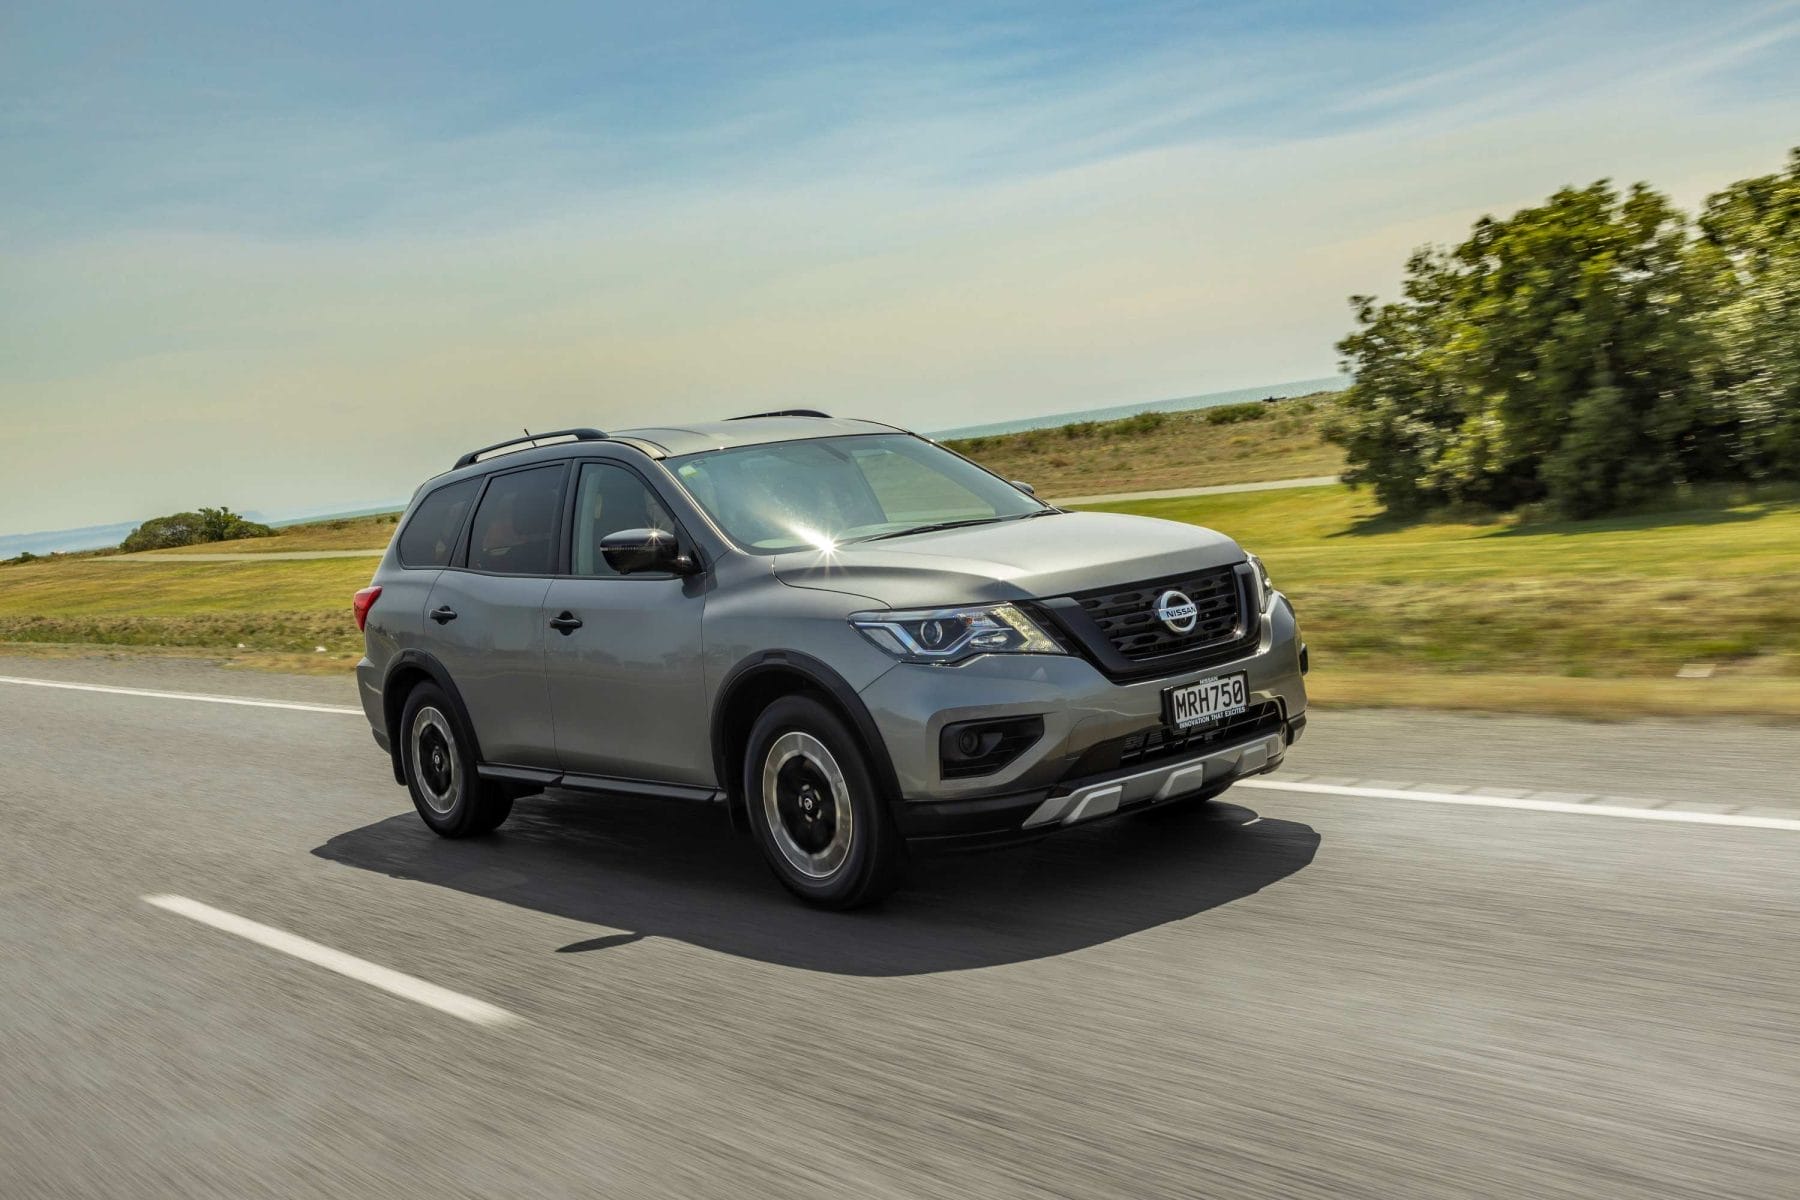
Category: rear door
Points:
column 485, row 614
column 426, row 543
column 626, row 688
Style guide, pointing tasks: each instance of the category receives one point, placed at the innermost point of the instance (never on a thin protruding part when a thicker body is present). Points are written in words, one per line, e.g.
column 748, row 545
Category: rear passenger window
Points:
column 429, row 538
column 515, row 526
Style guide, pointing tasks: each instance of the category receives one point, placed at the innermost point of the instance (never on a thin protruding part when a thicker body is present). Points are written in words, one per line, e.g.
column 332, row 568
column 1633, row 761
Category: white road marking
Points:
column 1527, row 803
column 388, row 980
column 1530, row 805
column 199, row 697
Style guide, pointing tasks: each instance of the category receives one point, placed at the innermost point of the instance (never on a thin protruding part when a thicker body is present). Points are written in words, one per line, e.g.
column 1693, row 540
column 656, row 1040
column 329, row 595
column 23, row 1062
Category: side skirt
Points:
column 605, row 785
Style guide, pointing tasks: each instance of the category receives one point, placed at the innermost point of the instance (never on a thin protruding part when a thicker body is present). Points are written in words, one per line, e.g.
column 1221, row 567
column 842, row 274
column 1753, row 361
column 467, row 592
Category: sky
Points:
column 293, row 256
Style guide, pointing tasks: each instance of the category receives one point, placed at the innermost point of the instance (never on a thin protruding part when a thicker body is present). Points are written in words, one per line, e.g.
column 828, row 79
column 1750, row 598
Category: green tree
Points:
column 192, row 528
column 1551, row 355
column 1748, row 255
column 222, row 525
column 160, row 533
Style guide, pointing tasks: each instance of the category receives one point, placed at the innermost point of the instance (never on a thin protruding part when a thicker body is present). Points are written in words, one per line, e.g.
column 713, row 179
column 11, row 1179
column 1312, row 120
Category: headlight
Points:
column 947, row 635
column 1265, row 587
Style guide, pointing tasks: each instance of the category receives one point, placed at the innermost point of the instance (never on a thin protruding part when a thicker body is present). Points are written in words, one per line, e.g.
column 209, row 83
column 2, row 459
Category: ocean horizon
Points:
column 97, row 537
column 1279, row 391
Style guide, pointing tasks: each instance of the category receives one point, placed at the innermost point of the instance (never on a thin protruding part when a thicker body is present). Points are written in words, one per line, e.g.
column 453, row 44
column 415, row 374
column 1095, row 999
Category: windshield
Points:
column 826, row 491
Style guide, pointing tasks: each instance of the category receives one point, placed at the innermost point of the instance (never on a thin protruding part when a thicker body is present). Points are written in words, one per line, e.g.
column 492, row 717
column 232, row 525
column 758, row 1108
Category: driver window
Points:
column 607, row 500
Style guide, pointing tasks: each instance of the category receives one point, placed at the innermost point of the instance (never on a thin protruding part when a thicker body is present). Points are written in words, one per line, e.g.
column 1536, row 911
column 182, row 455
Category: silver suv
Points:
column 850, row 636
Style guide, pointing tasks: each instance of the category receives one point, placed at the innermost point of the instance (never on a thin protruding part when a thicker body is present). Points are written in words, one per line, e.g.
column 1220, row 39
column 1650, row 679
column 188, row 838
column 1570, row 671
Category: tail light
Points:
column 364, row 601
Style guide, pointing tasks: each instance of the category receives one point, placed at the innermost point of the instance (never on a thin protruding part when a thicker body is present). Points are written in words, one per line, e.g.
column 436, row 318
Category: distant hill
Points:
column 88, row 537
column 1282, row 391
column 310, row 516
column 100, row 537
column 96, row 537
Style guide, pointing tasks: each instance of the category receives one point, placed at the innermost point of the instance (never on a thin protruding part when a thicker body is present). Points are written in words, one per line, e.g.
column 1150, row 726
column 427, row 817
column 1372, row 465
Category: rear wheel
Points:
column 440, row 769
column 821, row 824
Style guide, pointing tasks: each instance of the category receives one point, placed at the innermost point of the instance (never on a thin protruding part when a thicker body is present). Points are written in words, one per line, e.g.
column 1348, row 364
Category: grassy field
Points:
column 1593, row 617
column 273, row 610
column 344, row 533
column 275, row 615
column 1560, row 617
column 1240, row 443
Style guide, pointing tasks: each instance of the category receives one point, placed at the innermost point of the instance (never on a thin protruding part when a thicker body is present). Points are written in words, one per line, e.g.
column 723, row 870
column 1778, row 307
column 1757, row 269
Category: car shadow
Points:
column 654, row 868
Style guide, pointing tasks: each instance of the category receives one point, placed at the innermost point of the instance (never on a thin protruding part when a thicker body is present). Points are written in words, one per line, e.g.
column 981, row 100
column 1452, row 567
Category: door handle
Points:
column 443, row 614
column 566, row 623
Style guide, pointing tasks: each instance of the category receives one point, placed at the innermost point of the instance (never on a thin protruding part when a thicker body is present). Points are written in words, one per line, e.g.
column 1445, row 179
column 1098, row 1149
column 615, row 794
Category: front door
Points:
column 626, row 687
column 485, row 615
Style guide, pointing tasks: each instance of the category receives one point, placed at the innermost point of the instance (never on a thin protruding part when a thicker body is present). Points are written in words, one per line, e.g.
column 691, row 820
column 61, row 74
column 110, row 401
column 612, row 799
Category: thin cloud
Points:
column 331, row 299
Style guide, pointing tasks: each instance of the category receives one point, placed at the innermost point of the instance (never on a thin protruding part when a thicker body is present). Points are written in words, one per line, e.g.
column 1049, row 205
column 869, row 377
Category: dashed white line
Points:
column 198, row 697
column 388, row 980
column 1742, row 821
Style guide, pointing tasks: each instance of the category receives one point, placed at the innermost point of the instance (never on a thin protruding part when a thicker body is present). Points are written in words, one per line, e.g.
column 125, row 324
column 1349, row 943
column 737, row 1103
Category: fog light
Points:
column 971, row 748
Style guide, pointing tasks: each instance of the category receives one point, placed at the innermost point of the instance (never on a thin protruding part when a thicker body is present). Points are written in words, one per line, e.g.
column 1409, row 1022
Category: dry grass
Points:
column 1632, row 596
column 1772, row 700
column 343, row 533
column 284, row 662
column 1164, row 450
column 1582, row 618
column 286, row 607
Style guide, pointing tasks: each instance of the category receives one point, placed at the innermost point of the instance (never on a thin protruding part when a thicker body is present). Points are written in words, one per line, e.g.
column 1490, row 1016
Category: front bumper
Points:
column 1000, row 819
column 1086, row 719
column 368, row 691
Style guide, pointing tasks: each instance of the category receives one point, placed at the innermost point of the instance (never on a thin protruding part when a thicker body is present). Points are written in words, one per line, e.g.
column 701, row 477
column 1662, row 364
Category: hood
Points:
column 1010, row 560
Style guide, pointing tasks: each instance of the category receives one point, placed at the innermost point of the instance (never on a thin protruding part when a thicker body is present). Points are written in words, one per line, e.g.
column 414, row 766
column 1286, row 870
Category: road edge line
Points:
column 197, row 697
column 1786, row 824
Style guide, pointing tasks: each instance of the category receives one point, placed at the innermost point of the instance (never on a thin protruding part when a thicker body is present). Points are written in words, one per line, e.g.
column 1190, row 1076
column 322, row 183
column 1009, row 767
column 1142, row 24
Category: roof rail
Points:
column 786, row 412
column 580, row 435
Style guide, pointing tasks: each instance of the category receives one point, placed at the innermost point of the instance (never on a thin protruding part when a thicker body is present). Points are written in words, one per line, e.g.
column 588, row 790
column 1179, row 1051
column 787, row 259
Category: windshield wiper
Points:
column 894, row 533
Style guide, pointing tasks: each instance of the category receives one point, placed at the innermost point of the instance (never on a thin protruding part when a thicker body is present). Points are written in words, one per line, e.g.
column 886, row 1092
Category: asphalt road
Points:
column 1320, row 994
column 1218, row 489
column 158, row 556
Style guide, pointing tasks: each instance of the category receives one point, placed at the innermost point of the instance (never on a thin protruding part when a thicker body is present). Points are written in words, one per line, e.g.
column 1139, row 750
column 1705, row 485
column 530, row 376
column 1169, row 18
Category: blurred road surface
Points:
column 1289, row 995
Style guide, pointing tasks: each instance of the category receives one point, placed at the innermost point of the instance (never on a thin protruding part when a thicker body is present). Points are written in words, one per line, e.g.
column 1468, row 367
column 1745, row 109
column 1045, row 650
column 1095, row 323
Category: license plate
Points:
column 1206, row 701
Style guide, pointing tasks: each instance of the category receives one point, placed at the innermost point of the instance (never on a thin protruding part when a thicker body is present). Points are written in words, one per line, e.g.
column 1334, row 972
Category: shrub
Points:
column 1232, row 414
column 1144, row 422
column 191, row 529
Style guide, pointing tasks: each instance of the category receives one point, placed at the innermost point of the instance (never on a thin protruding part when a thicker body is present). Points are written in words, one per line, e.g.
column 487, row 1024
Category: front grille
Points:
column 1127, row 618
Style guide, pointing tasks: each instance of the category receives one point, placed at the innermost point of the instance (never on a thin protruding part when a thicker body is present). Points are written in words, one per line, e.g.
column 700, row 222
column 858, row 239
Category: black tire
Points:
column 438, row 759
column 821, row 776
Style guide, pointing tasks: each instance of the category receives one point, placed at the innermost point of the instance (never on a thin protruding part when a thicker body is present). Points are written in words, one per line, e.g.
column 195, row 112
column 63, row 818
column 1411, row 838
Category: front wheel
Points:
column 441, row 770
column 822, row 826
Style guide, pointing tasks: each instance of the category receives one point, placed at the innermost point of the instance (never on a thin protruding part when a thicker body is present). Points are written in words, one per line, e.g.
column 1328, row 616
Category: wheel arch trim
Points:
column 392, row 705
column 819, row 675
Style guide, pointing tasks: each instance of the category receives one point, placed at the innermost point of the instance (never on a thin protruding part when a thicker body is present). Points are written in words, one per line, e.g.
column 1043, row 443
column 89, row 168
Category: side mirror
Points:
column 632, row 551
column 1024, row 487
